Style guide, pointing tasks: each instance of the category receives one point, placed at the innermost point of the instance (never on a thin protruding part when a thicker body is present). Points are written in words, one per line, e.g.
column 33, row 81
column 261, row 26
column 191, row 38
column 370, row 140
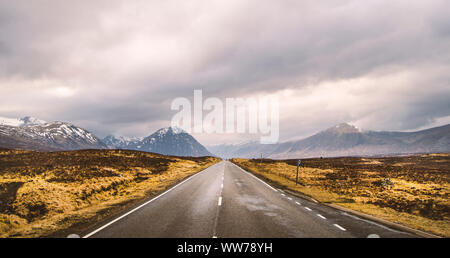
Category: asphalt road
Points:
column 226, row 201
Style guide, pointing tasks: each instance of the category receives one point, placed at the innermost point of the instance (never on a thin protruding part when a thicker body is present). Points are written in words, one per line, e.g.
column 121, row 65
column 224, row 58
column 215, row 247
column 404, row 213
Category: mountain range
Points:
column 34, row 134
column 344, row 140
column 341, row 140
column 166, row 141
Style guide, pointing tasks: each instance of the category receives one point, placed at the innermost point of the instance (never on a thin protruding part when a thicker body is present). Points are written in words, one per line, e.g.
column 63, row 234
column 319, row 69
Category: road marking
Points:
column 283, row 194
column 308, row 208
column 298, row 203
column 289, row 198
column 142, row 205
column 339, row 227
column 255, row 177
column 373, row 236
column 73, row 236
column 372, row 222
column 220, row 200
column 320, row 216
column 214, row 237
column 221, row 186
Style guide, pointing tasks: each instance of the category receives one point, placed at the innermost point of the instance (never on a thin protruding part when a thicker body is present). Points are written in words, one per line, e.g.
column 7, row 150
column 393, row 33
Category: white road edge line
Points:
column 372, row 222
column 308, row 208
column 142, row 205
column 320, row 216
column 339, row 227
column 255, row 177
column 220, row 201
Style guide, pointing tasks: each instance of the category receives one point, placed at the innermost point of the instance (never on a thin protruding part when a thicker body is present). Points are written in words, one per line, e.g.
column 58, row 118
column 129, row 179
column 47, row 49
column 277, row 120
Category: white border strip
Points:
column 142, row 205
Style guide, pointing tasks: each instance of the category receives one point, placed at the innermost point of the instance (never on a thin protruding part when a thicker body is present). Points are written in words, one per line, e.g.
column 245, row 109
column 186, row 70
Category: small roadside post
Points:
column 298, row 165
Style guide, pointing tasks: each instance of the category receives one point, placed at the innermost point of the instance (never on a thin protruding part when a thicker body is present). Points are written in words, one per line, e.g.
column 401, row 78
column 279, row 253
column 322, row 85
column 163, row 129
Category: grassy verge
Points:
column 43, row 193
column 413, row 191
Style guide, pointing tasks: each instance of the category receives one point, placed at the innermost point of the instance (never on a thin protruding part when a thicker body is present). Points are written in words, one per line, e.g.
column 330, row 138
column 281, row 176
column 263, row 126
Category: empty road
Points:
column 225, row 201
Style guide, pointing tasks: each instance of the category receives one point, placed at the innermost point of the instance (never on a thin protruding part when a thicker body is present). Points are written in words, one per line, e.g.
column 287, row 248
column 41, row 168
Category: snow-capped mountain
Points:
column 121, row 142
column 345, row 140
column 34, row 134
column 167, row 141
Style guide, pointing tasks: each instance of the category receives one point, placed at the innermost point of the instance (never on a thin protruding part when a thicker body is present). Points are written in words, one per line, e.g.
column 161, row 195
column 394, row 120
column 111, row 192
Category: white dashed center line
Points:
column 320, row 216
column 296, row 202
column 339, row 227
column 220, row 201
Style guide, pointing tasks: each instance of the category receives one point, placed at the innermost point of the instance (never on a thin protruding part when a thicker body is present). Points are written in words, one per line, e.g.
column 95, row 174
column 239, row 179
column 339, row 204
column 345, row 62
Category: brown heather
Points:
column 412, row 190
column 42, row 193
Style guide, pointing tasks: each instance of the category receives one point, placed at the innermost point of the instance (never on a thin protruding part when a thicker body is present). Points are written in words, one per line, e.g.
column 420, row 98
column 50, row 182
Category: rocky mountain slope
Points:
column 34, row 134
column 167, row 141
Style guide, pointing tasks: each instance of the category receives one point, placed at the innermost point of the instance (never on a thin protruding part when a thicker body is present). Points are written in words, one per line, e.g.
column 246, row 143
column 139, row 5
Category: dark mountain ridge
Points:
column 166, row 141
column 346, row 140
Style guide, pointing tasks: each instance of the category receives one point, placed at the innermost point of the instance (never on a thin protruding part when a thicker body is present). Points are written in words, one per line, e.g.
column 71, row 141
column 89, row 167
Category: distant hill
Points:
column 122, row 142
column 167, row 141
column 345, row 140
column 251, row 149
column 34, row 134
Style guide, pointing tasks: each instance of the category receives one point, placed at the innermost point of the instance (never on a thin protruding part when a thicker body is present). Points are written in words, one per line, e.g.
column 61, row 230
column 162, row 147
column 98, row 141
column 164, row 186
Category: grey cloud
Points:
column 130, row 59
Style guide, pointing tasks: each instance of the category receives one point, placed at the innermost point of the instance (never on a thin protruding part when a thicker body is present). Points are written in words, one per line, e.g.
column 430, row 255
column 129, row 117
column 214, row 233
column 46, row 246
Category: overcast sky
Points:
column 113, row 67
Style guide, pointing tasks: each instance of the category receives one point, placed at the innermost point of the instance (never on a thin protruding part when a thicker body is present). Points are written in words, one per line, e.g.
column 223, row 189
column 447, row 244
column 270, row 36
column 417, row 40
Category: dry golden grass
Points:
column 42, row 193
column 413, row 191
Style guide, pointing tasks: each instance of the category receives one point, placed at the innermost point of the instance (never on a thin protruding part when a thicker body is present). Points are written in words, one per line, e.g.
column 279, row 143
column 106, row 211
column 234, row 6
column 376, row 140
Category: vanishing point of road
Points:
column 225, row 201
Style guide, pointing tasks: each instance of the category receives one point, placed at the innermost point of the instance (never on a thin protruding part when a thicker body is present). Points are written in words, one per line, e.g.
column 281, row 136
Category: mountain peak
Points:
column 122, row 138
column 344, row 128
column 170, row 130
column 167, row 141
column 34, row 134
column 120, row 142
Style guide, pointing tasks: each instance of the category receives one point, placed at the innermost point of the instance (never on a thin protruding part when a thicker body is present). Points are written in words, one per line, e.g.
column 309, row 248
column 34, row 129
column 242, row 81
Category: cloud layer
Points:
column 115, row 66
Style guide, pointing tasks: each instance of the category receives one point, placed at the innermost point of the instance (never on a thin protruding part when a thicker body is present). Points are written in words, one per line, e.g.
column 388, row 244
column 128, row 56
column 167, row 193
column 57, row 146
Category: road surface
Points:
column 225, row 201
